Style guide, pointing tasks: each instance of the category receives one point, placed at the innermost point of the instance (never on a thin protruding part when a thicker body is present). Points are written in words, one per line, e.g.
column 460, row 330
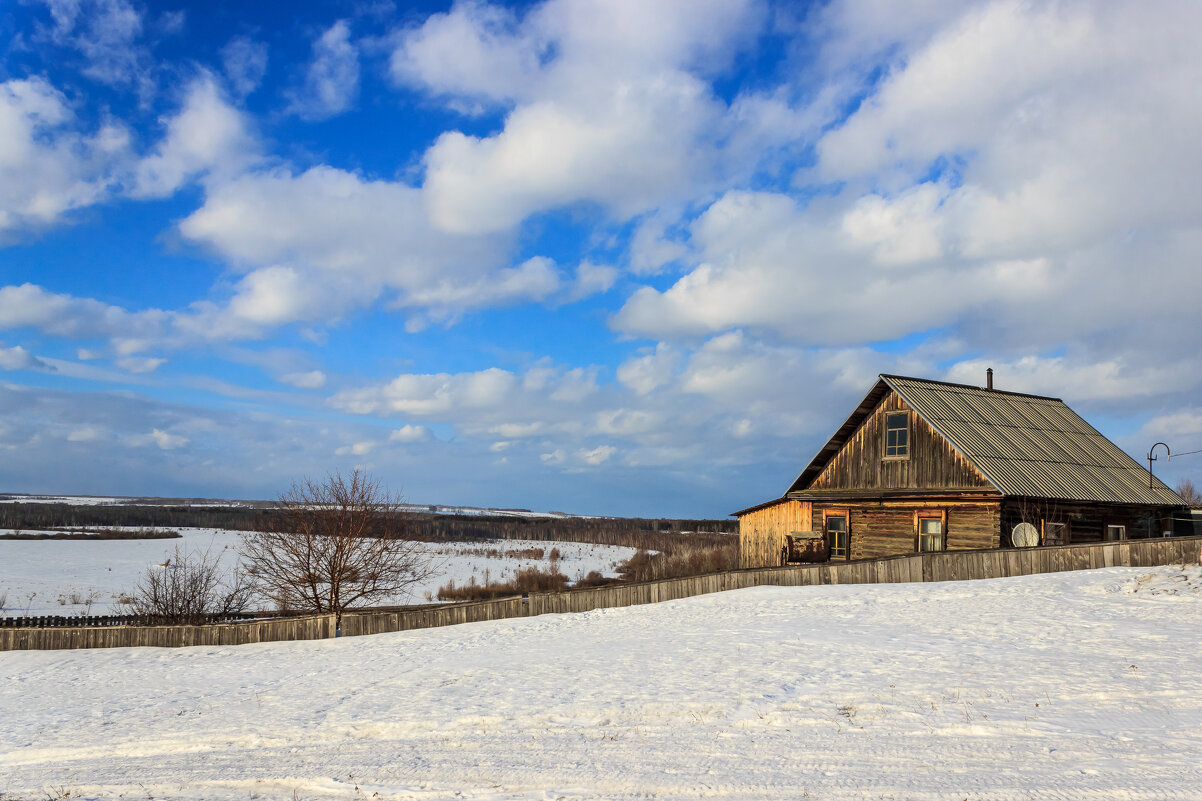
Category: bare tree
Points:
column 190, row 587
column 335, row 544
column 1189, row 493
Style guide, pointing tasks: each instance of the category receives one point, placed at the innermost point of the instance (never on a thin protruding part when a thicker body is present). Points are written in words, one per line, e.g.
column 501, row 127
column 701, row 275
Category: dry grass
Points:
column 680, row 561
column 527, row 580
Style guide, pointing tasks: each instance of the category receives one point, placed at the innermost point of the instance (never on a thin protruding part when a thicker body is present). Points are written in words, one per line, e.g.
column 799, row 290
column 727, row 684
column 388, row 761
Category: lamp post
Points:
column 1152, row 458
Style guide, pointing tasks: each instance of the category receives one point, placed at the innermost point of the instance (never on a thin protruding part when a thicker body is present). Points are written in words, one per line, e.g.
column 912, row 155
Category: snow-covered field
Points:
column 48, row 577
column 1079, row 685
column 122, row 500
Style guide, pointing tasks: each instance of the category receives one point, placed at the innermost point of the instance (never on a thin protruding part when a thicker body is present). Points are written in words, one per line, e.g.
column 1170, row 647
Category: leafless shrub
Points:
column 188, row 588
column 595, row 579
column 1189, row 493
column 335, row 544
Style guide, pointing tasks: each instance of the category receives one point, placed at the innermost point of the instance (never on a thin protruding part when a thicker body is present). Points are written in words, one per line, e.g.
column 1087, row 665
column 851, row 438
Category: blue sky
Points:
column 635, row 258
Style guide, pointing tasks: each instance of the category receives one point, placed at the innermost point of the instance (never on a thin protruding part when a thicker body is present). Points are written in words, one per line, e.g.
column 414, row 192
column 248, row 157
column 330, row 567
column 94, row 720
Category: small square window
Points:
column 1116, row 532
column 897, row 435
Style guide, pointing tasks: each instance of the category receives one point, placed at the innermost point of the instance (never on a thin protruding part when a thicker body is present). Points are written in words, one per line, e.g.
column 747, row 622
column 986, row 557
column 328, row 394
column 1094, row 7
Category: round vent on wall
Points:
column 1024, row 535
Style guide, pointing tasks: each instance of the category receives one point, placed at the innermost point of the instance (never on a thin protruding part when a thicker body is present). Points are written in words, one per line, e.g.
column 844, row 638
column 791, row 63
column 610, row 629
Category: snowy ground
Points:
column 1069, row 686
column 57, row 577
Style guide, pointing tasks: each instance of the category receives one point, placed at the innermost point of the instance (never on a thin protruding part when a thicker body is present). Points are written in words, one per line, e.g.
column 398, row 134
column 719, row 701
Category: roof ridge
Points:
column 969, row 386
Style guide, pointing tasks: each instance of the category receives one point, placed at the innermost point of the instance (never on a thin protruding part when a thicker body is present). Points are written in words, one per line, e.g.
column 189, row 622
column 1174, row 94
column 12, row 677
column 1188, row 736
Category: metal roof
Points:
column 1026, row 445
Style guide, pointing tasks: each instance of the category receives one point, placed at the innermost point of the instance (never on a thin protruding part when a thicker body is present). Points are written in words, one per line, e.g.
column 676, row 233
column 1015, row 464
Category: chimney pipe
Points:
column 989, row 378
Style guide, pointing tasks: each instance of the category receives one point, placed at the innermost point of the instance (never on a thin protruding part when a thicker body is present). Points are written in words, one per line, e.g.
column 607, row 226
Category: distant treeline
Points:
column 649, row 534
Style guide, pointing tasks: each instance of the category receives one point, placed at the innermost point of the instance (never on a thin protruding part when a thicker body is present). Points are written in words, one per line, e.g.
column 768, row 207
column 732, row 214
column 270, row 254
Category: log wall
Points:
column 890, row 527
column 762, row 532
column 1084, row 522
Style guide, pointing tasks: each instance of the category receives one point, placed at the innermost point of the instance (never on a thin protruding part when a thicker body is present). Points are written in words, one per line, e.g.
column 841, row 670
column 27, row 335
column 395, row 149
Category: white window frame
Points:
column 1116, row 528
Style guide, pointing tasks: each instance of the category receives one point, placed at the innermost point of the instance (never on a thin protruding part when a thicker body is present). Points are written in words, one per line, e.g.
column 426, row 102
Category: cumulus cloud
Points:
column 206, row 135
column 48, row 168
column 331, row 78
column 327, row 241
column 31, row 306
column 608, row 106
column 475, row 51
column 410, row 433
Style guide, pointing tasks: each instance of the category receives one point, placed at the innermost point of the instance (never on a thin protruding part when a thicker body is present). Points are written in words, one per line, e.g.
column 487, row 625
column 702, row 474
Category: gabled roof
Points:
column 1026, row 445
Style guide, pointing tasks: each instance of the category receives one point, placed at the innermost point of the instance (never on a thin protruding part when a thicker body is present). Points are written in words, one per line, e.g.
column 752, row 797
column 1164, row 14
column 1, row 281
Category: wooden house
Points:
column 926, row 465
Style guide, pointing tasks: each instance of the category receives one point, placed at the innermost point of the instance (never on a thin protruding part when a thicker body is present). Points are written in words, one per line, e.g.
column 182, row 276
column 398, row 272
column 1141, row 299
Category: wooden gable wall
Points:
column 932, row 464
column 762, row 531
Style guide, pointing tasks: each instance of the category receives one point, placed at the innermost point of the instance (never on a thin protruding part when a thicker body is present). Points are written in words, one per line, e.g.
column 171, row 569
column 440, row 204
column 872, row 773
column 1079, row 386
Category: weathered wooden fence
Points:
column 946, row 566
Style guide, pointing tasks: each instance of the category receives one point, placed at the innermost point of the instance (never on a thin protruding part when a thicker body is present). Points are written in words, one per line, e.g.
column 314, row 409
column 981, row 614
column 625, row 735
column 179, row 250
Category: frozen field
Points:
column 1069, row 686
column 47, row 577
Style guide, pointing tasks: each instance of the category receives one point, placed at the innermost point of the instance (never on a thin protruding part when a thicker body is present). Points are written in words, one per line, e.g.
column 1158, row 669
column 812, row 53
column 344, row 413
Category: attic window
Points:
column 897, row 435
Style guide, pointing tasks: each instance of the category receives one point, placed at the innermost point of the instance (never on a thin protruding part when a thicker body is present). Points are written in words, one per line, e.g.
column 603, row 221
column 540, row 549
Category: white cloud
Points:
column 553, row 457
column 106, row 33
column 627, row 151
column 357, row 449
column 650, row 371
column 608, row 109
column 533, row 280
column 430, row 394
column 651, row 249
column 17, row 358
column 596, row 456
column 592, row 279
column 86, row 434
column 410, row 433
column 313, row 379
column 340, row 240
column 140, row 364
column 901, row 229
column 206, row 136
column 331, row 78
column 29, row 305
column 47, row 168
column 164, row 440
column 1060, row 376
column 474, row 51
column 245, row 63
